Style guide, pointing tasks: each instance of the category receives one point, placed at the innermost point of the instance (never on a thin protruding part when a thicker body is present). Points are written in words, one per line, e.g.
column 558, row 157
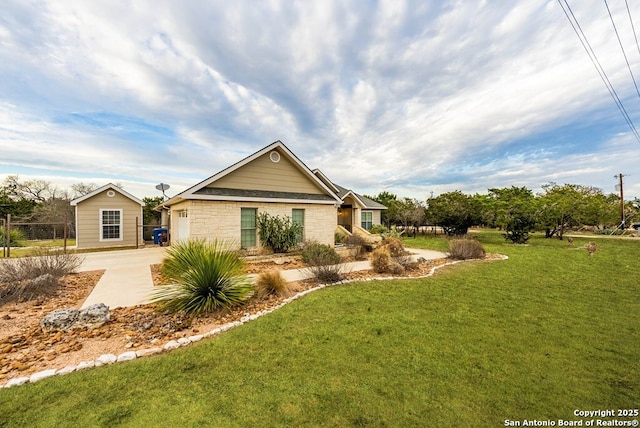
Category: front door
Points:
column 344, row 216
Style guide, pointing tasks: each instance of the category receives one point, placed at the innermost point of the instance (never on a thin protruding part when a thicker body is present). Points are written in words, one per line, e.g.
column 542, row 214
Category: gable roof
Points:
column 202, row 191
column 110, row 186
column 343, row 192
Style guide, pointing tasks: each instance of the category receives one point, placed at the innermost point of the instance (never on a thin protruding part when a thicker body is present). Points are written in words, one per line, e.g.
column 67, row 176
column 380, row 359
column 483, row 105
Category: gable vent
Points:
column 274, row 156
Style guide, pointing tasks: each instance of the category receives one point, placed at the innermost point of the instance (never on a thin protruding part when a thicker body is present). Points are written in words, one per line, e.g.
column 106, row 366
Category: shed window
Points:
column 248, row 227
column 366, row 220
column 297, row 216
column 111, row 225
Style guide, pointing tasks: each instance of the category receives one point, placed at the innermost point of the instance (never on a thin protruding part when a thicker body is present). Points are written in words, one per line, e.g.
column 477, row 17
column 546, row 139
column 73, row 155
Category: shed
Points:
column 106, row 217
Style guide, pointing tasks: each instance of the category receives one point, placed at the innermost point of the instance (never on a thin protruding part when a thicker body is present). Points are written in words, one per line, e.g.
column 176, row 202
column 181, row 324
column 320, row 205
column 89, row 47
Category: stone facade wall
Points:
column 221, row 219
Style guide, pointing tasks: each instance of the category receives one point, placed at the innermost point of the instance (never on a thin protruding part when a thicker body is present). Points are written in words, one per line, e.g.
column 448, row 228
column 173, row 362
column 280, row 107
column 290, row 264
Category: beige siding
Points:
column 377, row 216
column 263, row 174
column 221, row 220
column 88, row 220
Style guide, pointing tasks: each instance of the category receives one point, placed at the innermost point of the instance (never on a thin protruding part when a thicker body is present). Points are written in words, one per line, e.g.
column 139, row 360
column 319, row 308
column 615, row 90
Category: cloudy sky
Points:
column 412, row 97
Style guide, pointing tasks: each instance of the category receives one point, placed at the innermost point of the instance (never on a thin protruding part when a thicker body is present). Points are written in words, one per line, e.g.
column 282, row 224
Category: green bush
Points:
column 314, row 254
column 378, row 229
column 323, row 262
column 465, row 249
column 272, row 283
column 16, row 235
column 278, row 233
column 208, row 276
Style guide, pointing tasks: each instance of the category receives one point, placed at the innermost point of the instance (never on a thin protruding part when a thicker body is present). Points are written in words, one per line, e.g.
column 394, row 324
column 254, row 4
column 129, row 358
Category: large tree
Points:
column 515, row 212
column 455, row 212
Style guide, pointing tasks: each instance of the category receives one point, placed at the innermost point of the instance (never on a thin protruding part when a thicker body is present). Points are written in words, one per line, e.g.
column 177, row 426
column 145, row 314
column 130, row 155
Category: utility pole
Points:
column 619, row 176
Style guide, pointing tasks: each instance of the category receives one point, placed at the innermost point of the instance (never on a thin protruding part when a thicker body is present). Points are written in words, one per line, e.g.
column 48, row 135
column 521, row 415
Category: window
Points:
column 248, row 227
column 297, row 216
column 366, row 220
column 111, row 225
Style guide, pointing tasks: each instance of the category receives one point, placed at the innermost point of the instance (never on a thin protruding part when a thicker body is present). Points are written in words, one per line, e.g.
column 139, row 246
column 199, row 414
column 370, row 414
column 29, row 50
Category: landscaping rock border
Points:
column 107, row 359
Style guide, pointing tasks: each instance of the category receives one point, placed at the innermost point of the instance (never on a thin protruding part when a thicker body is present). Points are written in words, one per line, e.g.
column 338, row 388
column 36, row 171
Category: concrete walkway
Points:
column 127, row 279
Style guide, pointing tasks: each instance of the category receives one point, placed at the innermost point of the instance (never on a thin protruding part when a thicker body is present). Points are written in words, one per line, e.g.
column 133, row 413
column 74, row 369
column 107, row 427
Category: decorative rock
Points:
column 184, row 341
column 86, row 365
column 172, row 344
column 105, row 359
column 196, row 338
column 150, row 351
column 42, row 375
column 127, row 356
column 66, row 370
column 17, row 381
column 93, row 316
column 59, row 320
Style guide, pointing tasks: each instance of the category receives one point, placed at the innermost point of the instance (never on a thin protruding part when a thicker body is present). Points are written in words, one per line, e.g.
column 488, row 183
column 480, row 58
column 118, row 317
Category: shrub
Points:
column 314, row 254
column 378, row 229
column 208, row 276
column 360, row 246
column 381, row 259
column 272, row 283
column 464, row 249
column 29, row 277
column 394, row 245
column 323, row 262
column 278, row 233
column 396, row 268
column 339, row 238
column 16, row 235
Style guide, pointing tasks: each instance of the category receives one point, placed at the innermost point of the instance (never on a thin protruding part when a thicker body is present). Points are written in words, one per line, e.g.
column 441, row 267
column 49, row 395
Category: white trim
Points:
column 325, row 180
column 121, row 238
column 102, row 189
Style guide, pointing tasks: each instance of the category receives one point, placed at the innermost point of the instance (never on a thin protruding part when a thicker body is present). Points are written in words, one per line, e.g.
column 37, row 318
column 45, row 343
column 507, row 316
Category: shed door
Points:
column 182, row 232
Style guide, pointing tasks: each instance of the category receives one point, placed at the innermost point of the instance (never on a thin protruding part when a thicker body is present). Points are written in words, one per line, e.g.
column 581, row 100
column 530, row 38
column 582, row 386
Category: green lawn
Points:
column 534, row 337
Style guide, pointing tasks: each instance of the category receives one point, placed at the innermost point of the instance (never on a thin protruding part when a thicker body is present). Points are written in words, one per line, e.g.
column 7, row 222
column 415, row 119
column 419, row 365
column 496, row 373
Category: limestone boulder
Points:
column 59, row 320
column 93, row 316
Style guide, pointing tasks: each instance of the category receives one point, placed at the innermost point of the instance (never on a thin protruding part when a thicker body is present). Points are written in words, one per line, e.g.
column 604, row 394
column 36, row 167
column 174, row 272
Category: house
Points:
column 226, row 205
column 107, row 217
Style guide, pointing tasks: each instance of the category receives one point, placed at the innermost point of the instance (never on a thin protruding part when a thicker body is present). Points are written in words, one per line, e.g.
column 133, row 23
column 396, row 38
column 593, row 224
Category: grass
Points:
column 534, row 337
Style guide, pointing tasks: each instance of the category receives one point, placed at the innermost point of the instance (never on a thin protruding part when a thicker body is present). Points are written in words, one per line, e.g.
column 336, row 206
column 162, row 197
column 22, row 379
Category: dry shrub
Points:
column 381, row 259
column 395, row 247
column 396, row 268
column 465, row 249
column 359, row 245
column 272, row 283
column 29, row 277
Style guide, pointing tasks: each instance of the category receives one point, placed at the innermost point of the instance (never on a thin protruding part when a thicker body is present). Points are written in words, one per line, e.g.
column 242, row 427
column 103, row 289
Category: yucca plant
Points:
column 208, row 277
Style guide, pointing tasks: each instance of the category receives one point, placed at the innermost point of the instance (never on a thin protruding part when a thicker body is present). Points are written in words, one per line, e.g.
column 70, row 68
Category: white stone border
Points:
column 106, row 359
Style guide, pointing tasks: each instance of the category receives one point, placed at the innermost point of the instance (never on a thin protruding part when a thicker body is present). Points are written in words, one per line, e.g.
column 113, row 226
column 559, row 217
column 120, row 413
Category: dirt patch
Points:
column 26, row 349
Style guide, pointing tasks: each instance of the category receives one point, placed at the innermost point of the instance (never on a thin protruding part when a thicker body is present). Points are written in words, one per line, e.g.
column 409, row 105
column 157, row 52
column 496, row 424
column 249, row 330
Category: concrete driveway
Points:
column 127, row 279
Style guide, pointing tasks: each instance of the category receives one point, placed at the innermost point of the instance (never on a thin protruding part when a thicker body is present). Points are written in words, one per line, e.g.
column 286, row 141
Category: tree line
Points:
column 515, row 210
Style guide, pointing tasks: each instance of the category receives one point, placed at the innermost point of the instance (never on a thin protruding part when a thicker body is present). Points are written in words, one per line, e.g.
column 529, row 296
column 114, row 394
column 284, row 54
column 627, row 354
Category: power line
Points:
column 621, row 47
column 596, row 63
column 632, row 26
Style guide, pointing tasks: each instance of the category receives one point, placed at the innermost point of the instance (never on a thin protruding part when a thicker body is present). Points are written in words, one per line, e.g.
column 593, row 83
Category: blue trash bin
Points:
column 157, row 235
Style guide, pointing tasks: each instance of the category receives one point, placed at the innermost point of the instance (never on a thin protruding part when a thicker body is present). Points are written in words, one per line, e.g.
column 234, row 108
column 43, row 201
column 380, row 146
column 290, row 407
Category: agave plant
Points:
column 207, row 276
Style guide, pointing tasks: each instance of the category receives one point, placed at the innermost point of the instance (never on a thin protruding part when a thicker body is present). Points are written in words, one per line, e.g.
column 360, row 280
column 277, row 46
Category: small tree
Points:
column 278, row 233
column 454, row 211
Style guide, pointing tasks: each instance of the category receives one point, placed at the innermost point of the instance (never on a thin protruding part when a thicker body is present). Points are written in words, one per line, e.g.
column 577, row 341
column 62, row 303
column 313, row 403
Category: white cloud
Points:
column 403, row 95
